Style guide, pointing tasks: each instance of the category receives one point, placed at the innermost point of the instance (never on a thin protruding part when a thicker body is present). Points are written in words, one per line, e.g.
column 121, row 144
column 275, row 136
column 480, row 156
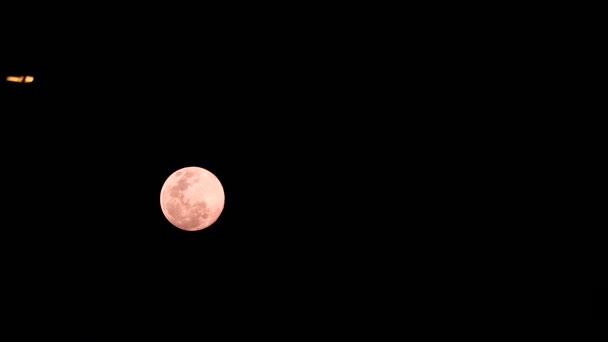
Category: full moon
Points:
column 192, row 198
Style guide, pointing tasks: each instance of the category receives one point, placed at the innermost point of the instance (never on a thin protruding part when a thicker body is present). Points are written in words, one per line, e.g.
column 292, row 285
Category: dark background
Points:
column 353, row 190
column 88, row 145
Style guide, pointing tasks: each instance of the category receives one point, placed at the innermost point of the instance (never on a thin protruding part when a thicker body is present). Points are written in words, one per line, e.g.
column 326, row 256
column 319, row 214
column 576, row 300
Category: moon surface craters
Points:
column 186, row 214
column 192, row 198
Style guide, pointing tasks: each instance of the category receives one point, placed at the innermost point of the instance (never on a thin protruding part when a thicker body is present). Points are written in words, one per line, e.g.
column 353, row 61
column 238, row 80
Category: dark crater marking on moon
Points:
column 186, row 214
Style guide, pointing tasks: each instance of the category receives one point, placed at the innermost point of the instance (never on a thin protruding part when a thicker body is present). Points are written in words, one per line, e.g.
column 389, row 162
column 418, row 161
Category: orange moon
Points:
column 192, row 198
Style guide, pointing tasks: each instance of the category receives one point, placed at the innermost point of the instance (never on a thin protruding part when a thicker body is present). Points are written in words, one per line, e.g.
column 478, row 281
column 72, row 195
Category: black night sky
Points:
column 347, row 189
column 88, row 145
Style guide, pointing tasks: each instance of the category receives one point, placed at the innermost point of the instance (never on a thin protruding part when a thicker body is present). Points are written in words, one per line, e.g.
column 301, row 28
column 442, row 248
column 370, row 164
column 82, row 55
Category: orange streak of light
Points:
column 20, row 79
